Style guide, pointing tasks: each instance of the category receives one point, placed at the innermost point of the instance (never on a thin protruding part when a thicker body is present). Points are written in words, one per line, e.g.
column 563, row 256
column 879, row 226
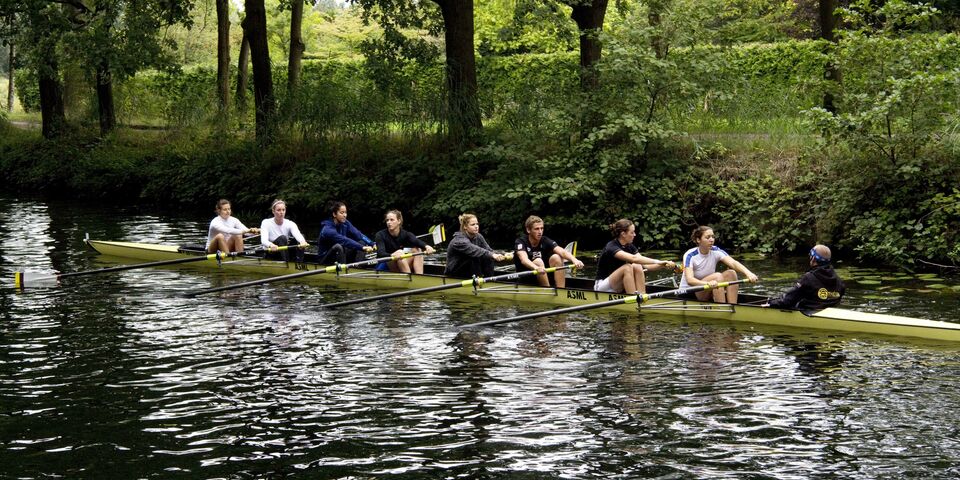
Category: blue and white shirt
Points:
column 702, row 265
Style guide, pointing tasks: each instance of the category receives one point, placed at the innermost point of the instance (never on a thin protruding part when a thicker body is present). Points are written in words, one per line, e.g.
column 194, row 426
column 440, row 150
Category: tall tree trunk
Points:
column 828, row 24
column 12, row 71
column 255, row 25
column 463, row 116
column 243, row 71
column 108, row 116
column 223, row 57
column 588, row 15
column 52, row 117
column 296, row 48
column 654, row 18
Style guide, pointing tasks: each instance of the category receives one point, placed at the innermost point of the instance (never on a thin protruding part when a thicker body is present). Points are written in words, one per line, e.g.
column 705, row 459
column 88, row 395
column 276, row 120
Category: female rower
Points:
column 620, row 267
column 394, row 241
column 700, row 268
column 339, row 240
column 226, row 233
column 278, row 231
column 535, row 251
column 469, row 254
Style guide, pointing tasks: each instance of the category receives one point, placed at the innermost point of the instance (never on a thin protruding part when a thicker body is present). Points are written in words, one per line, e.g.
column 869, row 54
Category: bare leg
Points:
column 629, row 281
column 712, row 295
column 217, row 243
column 559, row 276
column 640, row 278
column 732, row 290
column 542, row 280
column 417, row 262
column 236, row 243
column 617, row 280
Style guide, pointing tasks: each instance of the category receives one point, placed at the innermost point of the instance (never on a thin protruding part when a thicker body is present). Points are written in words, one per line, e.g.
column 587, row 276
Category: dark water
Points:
column 120, row 376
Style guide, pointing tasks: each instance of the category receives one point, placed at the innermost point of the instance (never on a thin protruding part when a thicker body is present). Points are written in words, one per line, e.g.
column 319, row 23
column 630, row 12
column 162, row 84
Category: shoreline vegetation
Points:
column 733, row 136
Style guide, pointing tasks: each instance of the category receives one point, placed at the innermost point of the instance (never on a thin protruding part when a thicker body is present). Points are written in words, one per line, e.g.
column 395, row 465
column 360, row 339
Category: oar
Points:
column 22, row 279
column 437, row 233
column 331, row 269
column 476, row 281
column 638, row 298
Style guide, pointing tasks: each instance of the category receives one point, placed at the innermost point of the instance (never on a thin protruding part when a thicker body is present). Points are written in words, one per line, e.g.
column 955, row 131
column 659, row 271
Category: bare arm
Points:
column 567, row 256
column 734, row 264
column 692, row 280
column 642, row 260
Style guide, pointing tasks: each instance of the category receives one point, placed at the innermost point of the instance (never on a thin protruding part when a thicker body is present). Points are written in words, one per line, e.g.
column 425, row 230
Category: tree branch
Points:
column 73, row 3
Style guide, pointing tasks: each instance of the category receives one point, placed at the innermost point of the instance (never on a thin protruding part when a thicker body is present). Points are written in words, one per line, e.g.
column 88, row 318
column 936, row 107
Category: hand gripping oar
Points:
column 335, row 268
column 22, row 279
column 475, row 282
column 638, row 298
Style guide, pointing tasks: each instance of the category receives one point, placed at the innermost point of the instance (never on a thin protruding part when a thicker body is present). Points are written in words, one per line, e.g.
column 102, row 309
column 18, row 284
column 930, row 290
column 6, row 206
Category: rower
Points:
column 226, row 232
column 339, row 240
column 278, row 231
column 469, row 254
column 620, row 267
column 394, row 241
column 817, row 289
column 534, row 247
column 700, row 268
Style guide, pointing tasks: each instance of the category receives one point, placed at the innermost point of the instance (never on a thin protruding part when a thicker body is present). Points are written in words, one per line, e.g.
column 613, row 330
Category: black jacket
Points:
column 817, row 289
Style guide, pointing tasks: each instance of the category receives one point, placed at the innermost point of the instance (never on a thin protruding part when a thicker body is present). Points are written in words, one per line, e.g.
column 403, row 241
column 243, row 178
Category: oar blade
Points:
column 33, row 279
column 572, row 249
column 439, row 233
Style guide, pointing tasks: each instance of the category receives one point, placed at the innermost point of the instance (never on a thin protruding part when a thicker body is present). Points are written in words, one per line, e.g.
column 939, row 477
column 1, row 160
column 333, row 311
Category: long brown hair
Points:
column 698, row 233
column 620, row 226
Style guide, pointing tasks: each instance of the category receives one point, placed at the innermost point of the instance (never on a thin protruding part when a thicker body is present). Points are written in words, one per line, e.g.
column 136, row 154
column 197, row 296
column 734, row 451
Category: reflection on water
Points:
column 120, row 376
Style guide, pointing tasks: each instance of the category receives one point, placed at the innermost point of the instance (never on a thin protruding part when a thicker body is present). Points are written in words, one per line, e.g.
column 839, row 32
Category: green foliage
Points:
column 763, row 214
column 366, row 131
column 476, row 183
column 530, row 95
column 95, row 170
column 743, row 21
column 508, row 27
column 893, row 162
column 891, row 108
column 753, row 85
column 28, row 89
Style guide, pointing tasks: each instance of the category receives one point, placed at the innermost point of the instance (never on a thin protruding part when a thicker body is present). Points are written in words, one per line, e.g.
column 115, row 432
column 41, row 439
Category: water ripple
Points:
column 122, row 376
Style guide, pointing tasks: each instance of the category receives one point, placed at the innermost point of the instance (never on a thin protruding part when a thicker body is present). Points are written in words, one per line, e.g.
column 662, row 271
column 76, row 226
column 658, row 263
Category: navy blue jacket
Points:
column 817, row 289
column 332, row 233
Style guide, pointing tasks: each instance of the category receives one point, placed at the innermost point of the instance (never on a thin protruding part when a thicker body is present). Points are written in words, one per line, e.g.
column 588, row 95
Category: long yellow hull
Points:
column 828, row 319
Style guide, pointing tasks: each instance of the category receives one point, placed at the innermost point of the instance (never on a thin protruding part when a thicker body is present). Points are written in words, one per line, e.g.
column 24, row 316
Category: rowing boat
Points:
column 578, row 292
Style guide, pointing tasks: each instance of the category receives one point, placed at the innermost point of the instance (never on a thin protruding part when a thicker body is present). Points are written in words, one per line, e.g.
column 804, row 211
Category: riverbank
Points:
column 765, row 193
